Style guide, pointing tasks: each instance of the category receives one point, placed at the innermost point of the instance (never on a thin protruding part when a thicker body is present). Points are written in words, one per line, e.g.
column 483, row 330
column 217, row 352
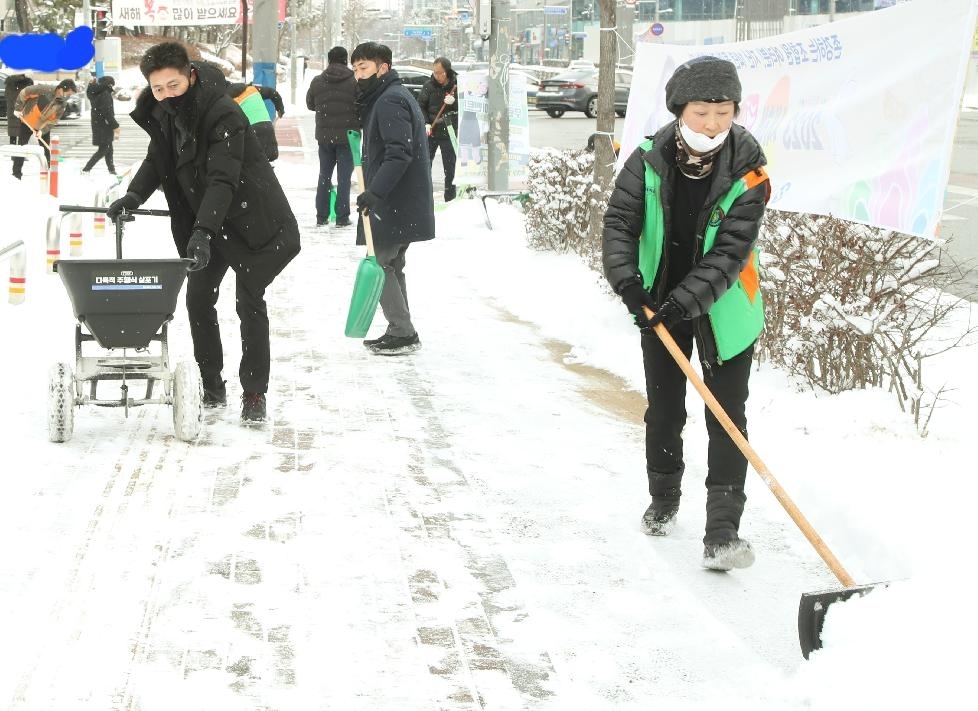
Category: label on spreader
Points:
column 126, row 280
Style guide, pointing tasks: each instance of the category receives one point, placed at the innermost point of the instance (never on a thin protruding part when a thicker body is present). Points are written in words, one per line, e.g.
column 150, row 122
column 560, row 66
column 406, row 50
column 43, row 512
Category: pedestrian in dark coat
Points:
column 227, row 210
column 11, row 88
column 332, row 95
column 397, row 196
column 679, row 236
column 437, row 99
column 105, row 129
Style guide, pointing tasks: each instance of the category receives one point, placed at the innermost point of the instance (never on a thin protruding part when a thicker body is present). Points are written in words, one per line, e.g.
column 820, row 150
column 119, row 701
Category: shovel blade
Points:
column 812, row 609
column 366, row 294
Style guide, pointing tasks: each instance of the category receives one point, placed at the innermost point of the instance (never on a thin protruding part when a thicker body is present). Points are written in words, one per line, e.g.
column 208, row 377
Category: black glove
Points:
column 668, row 314
column 199, row 249
column 367, row 201
column 635, row 297
column 128, row 202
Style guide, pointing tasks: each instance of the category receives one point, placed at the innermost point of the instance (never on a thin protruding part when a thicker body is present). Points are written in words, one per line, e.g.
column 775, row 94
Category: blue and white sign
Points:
column 419, row 31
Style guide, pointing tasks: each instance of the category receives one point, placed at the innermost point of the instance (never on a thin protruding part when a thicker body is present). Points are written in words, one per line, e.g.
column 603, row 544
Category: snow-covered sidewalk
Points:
column 453, row 530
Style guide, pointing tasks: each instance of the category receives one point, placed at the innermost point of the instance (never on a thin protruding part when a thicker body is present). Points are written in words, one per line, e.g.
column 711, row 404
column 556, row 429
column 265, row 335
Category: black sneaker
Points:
column 729, row 554
column 450, row 193
column 215, row 391
column 253, row 407
column 343, row 222
column 322, row 221
column 368, row 342
column 397, row 345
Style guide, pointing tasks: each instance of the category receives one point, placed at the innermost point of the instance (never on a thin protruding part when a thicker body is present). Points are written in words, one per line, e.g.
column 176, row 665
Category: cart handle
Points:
column 85, row 208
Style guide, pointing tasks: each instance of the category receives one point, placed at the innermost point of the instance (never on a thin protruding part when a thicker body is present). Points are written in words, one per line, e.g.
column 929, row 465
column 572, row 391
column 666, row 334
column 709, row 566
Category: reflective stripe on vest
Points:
column 737, row 317
column 253, row 105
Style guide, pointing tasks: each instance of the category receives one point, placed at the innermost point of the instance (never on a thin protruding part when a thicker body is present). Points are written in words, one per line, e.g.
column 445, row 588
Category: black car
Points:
column 413, row 78
column 577, row 90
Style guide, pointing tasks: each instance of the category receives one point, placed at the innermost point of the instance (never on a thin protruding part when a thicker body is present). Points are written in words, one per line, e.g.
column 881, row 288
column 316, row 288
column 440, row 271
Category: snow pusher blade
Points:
column 809, row 628
column 369, row 282
column 812, row 608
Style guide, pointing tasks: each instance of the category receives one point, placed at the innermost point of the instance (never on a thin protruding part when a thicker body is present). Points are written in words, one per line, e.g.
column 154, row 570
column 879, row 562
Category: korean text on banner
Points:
column 856, row 117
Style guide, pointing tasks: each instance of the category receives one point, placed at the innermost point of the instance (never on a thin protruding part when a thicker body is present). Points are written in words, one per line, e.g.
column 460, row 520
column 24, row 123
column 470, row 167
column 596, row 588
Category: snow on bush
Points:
column 851, row 306
column 562, row 195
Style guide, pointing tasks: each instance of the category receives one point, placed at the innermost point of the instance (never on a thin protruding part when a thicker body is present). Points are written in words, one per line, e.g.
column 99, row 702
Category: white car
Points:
column 580, row 64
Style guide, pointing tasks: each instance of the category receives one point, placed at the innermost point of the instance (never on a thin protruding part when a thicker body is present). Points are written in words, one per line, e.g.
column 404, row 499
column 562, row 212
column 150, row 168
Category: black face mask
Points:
column 369, row 84
column 176, row 103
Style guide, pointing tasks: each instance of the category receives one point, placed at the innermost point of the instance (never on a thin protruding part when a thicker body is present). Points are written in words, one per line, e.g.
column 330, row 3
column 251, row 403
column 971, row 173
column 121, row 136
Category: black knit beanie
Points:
column 702, row 79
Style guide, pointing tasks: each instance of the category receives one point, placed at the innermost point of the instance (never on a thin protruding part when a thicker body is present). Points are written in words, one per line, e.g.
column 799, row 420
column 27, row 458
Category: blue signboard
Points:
column 419, row 32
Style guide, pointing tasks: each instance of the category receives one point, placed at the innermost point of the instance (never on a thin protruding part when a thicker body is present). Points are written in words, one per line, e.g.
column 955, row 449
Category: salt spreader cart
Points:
column 123, row 304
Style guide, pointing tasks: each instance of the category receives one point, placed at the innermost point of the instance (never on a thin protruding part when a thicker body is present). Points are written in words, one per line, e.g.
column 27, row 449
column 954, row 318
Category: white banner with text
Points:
column 857, row 117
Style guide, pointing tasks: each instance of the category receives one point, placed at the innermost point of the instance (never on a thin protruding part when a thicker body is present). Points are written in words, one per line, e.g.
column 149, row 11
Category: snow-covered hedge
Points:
column 848, row 306
column 562, row 195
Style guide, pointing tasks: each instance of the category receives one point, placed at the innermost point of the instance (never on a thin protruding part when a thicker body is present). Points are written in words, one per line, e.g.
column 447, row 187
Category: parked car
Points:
column 577, row 90
column 412, row 77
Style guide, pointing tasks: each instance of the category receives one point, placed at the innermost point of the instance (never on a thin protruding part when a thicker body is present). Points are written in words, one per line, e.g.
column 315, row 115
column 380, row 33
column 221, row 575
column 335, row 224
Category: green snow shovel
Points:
column 370, row 275
column 811, row 609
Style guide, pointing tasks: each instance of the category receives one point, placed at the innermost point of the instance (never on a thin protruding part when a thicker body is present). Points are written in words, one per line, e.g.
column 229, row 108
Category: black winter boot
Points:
column 723, row 549
column 660, row 517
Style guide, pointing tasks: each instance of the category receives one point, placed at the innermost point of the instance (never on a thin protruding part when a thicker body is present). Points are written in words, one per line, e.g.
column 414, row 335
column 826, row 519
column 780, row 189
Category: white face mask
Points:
column 699, row 142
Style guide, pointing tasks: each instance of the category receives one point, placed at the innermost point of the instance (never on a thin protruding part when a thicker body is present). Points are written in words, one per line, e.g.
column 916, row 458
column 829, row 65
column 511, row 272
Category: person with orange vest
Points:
column 39, row 107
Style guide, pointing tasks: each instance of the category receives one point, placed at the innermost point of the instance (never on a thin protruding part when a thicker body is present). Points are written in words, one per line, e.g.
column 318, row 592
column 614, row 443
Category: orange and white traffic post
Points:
column 53, row 169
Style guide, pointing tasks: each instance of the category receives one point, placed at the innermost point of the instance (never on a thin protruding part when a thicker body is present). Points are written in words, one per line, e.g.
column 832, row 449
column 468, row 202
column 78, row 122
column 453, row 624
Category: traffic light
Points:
column 101, row 24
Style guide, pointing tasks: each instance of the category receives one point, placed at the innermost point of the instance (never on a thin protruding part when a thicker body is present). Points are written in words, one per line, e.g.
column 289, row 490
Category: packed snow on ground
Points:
column 536, row 463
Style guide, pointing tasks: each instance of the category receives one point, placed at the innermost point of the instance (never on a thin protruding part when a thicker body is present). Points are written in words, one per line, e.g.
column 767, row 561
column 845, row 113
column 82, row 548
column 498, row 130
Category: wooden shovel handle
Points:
column 744, row 446
column 367, row 233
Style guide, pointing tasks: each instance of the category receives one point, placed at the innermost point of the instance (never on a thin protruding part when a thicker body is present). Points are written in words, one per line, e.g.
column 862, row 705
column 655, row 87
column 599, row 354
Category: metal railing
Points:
column 35, row 152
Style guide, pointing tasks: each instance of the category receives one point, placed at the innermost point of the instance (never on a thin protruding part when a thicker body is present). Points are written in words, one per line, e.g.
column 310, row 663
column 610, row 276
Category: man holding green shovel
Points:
column 397, row 197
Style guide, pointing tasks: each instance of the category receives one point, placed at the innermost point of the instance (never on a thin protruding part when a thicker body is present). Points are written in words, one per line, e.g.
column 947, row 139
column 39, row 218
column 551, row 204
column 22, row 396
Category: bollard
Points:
column 18, row 272
column 98, row 219
column 53, row 169
column 98, row 225
column 75, row 234
column 53, row 241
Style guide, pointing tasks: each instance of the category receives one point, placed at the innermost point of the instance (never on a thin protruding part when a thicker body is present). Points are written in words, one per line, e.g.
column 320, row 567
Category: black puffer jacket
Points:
column 103, row 112
column 716, row 271
column 396, row 166
column 432, row 98
column 219, row 179
column 332, row 95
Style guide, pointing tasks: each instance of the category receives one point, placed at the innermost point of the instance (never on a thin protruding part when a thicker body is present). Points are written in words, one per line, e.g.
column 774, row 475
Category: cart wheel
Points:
column 188, row 409
column 61, row 403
